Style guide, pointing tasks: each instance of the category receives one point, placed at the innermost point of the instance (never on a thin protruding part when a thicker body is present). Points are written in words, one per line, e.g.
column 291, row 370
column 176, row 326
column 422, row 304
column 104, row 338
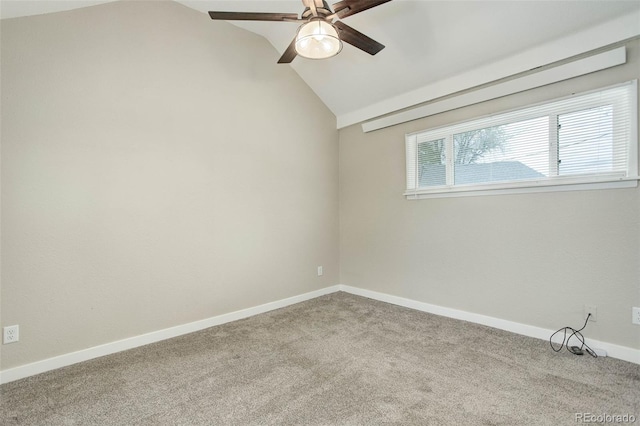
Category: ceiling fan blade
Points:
column 290, row 54
column 357, row 39
column 351, row 7
column 253, row 16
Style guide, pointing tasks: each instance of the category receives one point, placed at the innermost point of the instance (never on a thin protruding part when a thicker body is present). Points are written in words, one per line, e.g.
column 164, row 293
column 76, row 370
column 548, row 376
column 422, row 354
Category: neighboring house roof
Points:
column 434, row 174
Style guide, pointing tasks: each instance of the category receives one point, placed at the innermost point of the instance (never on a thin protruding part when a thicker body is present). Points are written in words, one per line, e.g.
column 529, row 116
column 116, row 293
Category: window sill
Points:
column 522, row 187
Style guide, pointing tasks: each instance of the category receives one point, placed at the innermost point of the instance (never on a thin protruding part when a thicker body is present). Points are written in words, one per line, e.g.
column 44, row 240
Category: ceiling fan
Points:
column 319, row 37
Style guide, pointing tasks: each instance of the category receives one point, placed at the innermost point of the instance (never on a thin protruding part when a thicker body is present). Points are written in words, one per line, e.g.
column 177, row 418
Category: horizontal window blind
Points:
column 590, row 136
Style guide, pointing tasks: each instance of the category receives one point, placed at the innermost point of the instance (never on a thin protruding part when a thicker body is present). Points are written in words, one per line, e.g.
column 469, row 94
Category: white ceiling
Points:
column 432, row 47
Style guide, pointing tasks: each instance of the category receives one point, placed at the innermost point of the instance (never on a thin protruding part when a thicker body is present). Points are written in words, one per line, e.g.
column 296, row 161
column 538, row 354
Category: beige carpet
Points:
column 337, row 359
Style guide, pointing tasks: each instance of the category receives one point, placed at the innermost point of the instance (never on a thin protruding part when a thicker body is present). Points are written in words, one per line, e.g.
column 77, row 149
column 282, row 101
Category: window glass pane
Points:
column 431, row 163
column 585, row 141
column 507, row 152
column 589, row 138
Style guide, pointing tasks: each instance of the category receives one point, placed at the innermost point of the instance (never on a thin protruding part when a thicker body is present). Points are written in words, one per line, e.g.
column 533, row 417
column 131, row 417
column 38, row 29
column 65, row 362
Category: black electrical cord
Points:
column 574, row 333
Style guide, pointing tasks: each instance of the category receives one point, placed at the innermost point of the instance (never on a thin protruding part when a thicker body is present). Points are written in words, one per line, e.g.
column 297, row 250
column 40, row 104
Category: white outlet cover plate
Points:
column 635, row 315
column 11, row 334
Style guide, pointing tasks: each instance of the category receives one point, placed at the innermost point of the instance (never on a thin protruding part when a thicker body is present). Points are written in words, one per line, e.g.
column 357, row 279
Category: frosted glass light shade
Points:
column 317, row 39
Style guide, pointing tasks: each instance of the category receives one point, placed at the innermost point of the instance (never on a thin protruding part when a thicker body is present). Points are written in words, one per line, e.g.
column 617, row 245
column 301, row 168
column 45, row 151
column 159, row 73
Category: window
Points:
column 584, row 141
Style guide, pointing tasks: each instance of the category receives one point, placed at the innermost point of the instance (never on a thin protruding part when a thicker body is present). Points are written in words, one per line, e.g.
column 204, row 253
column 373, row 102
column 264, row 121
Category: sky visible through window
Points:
column 585, row 143
column 526, row 142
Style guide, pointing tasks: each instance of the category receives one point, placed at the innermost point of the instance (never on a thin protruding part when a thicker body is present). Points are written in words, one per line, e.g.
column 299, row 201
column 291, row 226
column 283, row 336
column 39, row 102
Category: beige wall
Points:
column 158, row 168
column 154, row 174
column 535, row 259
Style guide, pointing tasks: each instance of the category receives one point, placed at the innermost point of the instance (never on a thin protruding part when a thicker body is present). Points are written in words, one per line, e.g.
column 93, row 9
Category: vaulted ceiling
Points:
column 433, row 48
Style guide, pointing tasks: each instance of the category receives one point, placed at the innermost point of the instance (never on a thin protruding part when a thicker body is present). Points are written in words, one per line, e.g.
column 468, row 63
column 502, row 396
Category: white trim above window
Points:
column 584, row 141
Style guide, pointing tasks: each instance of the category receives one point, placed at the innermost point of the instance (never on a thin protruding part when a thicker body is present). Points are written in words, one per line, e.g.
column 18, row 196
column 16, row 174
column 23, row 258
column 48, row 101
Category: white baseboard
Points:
column 9, row 375
column 615, row 351
column 38, row 367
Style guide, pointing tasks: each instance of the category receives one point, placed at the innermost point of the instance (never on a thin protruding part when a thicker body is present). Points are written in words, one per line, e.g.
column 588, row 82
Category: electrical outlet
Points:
column 319, row 271
column 635, row 319
column 593, row 310
column 10, row 334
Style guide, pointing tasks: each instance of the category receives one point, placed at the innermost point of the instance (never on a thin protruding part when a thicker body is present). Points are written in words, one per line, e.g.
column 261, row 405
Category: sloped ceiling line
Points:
column 433, row 48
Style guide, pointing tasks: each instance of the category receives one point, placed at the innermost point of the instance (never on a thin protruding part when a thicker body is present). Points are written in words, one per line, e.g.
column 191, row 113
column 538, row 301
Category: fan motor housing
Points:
column 322, row 11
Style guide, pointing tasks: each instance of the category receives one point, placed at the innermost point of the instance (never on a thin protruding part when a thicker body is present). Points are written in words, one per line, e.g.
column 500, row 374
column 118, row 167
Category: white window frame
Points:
column 554, row 182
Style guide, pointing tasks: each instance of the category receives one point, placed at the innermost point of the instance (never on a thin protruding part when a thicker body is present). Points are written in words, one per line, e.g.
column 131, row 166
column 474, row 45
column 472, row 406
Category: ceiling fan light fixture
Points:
column 317, row 39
